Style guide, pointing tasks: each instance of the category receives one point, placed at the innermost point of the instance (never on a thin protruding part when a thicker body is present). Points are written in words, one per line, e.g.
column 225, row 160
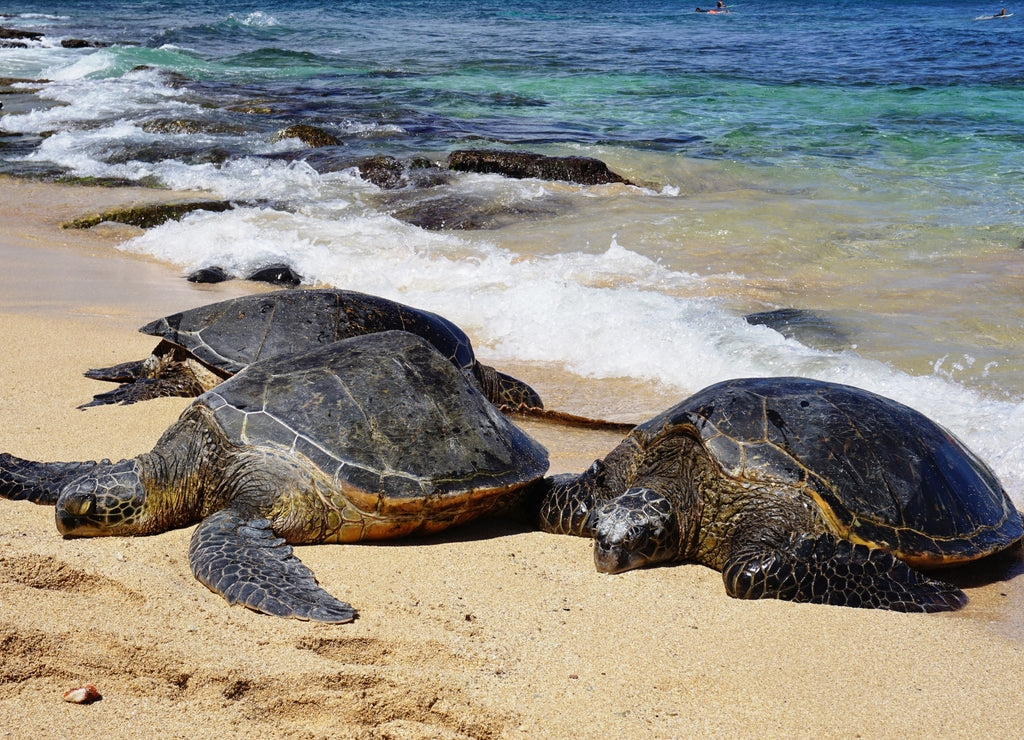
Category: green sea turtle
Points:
column 369, row 438
column 795, row 489
column 202, row 346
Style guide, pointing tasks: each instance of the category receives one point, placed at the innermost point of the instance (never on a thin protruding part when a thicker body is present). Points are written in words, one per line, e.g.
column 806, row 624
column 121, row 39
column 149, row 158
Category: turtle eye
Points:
column 80, row 504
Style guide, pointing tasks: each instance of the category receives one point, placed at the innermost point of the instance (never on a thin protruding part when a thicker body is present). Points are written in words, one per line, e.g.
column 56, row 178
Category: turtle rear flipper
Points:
column 173, row 384
column 824, row 569
column 246, row 563
column 38, row 482
column 125, row 372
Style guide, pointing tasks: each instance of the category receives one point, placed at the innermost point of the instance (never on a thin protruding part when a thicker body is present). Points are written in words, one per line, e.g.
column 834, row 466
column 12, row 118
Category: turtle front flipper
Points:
column 38, row 482
column 566, row 503
column 246, row 563
column 824, row 569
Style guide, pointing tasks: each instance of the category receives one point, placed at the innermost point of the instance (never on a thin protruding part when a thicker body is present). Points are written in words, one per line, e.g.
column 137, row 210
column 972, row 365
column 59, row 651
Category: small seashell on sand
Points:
column 83, row 694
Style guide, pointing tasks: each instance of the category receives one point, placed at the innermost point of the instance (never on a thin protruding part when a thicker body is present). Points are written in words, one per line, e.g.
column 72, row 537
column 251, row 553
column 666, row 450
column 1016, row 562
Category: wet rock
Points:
column 467, row 213
column 171, row 78
column 579, row 170
column 384, row 171
column 211, row 274
column 804, row 326
column 276, row 274
column 258, row 108
column 309, row 135
column 427, row 174
column 188, row 126
column 82, row 44
column 148, row 215
column 7, row 84
column 14, row 34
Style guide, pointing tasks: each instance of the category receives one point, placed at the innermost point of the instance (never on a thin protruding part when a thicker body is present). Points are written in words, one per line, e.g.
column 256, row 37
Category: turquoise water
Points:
column 864, row 164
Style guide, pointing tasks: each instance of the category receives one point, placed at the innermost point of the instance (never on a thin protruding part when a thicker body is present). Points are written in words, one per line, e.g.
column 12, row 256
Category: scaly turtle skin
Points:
column 795, row 489
column 370, row 438
column 201, row 347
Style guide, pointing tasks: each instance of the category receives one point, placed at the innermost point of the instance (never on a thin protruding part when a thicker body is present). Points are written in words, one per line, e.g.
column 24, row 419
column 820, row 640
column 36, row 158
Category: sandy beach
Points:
column 489, row 631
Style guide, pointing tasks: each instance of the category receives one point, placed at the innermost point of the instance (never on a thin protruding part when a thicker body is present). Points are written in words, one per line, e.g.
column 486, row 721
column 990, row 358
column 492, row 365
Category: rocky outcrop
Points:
column 808, row 328
column 384, row 171
column 469, row 213
column 188, row 126
column 83, row 44
column 309, row 135
column 148, row 215
column 15, row 38
column 579, row 170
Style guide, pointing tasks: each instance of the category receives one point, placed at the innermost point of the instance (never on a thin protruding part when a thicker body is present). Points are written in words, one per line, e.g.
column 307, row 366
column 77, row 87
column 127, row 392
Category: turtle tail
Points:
column 38, row 482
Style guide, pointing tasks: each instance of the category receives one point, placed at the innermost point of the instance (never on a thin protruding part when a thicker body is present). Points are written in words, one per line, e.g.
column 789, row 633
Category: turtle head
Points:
column 635, row 529
column 107, row 500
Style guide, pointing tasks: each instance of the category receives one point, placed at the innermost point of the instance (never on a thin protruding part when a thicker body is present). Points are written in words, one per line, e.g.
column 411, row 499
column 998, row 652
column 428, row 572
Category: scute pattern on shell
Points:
column 372, row 417
column 233, row 334
column 886, row 473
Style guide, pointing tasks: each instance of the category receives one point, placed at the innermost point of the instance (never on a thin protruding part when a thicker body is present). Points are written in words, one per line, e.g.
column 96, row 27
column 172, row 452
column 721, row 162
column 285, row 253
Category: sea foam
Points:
column 597, row 315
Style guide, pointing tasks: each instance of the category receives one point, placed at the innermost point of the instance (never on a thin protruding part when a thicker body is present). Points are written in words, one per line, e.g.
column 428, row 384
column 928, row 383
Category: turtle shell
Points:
column 387, row 418
column 882, row 473
column 230, row 335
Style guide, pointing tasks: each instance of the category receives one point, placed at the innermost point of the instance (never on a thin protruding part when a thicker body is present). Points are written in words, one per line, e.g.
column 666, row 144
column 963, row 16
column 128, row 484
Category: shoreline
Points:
column 522, row 639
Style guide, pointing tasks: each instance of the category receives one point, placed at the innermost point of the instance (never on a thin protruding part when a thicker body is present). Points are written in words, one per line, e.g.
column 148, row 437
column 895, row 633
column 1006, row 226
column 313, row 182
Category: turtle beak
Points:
column 610, row 557
column 73, row 513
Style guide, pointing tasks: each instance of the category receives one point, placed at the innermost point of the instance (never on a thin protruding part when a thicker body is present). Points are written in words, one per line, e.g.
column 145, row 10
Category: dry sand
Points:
column 488, row 631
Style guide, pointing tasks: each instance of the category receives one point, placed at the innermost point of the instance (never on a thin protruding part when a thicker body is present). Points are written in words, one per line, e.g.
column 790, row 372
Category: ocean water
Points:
column 863, row 164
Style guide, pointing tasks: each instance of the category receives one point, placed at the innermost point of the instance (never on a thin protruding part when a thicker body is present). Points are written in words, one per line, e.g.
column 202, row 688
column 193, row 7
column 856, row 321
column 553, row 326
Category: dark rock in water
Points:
column 580, row 170
column 169, row 77
column 191, row 151
column 279, row 274
column 17, row 34
column 212, row 274
column 7, row 84
column 149, row 215
column 384, row 171
column 439, row 214
column 82, row 44
column 466, row 213
column 189, row 126
column 308, row 135
column 804, row 326
column 426, row 174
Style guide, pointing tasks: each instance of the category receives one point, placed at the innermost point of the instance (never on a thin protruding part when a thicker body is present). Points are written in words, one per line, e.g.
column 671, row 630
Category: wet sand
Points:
column 489, row 631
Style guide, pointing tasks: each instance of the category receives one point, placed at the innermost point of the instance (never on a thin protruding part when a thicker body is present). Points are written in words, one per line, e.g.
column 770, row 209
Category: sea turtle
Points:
column 369, row 438
column 795, row 489
column 202, row 346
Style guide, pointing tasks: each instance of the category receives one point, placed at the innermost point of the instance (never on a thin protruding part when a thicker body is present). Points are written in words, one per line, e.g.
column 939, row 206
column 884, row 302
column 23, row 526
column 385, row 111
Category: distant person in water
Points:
column 1001, row 12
